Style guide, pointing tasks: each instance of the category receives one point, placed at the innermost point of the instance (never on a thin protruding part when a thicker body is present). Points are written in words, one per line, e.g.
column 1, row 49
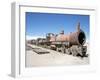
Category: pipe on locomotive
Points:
column 75, row 38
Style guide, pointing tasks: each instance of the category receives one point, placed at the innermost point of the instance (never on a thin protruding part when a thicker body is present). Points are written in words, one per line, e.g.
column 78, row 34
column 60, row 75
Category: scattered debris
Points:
column 39, row 51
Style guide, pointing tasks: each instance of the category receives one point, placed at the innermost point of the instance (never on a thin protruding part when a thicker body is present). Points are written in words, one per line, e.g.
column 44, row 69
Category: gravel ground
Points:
column 53, row 58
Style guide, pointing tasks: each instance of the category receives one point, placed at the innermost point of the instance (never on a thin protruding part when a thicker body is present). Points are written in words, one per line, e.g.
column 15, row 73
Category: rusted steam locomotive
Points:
column 72, row 43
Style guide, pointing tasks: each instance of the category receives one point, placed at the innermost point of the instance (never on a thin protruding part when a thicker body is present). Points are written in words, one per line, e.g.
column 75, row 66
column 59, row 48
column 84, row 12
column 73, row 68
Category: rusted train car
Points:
column 72, row 43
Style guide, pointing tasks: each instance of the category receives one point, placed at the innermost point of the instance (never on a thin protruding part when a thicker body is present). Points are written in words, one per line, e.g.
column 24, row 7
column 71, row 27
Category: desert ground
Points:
column 53, row 58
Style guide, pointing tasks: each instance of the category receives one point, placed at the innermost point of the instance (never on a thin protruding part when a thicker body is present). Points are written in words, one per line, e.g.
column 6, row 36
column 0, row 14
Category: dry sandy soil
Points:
column 53, row 58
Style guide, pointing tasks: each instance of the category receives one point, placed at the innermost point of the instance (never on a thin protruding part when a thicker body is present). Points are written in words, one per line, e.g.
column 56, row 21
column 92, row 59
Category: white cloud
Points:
column 33, row 37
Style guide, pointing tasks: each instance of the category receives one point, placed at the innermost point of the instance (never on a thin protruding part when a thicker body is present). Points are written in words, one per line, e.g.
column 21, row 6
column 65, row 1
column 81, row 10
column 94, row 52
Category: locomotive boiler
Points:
column 72, row 43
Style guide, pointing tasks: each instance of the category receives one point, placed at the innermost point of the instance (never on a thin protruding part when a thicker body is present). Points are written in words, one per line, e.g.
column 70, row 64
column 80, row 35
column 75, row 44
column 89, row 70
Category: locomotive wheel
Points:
column 74, row 50
column 68, row 51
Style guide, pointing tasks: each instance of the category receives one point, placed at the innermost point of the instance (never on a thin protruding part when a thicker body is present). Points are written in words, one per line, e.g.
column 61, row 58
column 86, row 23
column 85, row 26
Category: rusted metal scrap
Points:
column 75, row 38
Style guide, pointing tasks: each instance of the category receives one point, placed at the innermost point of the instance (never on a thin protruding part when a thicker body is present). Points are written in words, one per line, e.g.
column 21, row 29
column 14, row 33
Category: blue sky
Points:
column 38, row 24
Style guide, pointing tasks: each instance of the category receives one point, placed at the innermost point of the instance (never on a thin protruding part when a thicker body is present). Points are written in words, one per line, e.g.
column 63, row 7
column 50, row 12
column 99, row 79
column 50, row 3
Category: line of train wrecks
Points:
column 72, row 43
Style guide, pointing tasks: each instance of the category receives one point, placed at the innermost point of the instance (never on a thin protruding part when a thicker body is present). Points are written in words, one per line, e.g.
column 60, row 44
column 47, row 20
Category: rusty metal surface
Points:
column 75, row 38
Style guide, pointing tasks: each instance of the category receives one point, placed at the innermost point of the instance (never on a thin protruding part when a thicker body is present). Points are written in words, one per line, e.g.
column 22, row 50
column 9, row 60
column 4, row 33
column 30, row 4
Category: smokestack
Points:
column 78, row 27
